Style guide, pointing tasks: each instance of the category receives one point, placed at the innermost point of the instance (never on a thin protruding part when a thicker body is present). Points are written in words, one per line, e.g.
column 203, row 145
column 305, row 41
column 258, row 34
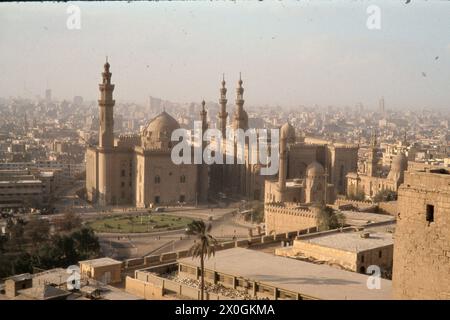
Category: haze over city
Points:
column 257, row 151
column 289, row 53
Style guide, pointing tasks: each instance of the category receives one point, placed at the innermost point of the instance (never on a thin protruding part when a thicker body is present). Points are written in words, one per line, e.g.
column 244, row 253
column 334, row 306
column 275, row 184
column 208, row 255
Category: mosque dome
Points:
column 159, row 130
column 315, row 169
column 162, row 123
column 287, row 131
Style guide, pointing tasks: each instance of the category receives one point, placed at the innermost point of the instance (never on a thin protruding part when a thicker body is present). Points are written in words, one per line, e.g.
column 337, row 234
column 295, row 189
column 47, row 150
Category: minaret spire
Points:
column 240, row 116
column 372, row 158
column 223, row 114
column 106, row 105
column 203, row 115
column 203, row 177
column 282, row 165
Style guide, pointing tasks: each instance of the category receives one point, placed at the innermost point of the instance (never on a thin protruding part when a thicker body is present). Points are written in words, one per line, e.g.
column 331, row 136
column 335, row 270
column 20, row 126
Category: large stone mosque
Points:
column 137, row 169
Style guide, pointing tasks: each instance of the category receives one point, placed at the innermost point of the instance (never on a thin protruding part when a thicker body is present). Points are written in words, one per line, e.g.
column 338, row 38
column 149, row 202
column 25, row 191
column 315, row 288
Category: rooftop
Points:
column 56, row 276
column 352, row 241
column 20, row 277
column 44, row 292
column 355, row 218
column 319, row 281
column 101, row 262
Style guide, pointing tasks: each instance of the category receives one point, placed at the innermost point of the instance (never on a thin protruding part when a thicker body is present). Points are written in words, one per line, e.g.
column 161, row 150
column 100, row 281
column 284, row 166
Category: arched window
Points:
column 157, row 179
column 183, row 179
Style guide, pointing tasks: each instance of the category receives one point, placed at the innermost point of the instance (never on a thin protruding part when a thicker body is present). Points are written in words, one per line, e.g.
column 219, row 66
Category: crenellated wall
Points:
column 280, row 218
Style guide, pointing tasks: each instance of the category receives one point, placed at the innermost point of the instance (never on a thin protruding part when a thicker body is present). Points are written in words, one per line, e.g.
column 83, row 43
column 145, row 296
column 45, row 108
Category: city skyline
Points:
column 340, row 62
column 235, row 151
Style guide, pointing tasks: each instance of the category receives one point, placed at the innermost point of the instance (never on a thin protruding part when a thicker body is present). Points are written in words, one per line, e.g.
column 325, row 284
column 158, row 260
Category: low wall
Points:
column 170, row 257
column 146, row 290
column 149, row 286
column 389, row 207
column 281, row 219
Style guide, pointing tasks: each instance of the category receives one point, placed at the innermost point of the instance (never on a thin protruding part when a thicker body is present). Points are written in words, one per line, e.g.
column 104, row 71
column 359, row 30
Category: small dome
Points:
column 314, row 169
column 287, row 131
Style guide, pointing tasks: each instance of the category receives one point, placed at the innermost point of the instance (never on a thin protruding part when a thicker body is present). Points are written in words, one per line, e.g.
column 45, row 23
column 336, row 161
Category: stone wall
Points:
column 390, row 207
column 146, row 290
column 421, row 247
column 281, row 219
column 346, row 259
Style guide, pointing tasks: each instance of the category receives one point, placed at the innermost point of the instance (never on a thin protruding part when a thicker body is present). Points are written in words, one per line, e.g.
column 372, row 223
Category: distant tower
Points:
column 287, row 136
column 382, row 109
column 283, row 164
column 315, row 183
column 25, row 120
column 240, row 115
column 203, row 176
column 223, row 114
column 48, row 95
column 106, row 140
column 106, row 104
column 372, row 158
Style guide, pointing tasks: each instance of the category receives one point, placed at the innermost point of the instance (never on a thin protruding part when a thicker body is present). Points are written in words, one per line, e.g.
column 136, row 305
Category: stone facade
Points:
column 422, row 242
column 370, row 183
column 137, row 169
column 106, row 270
column 288, row 217
column 348, row 250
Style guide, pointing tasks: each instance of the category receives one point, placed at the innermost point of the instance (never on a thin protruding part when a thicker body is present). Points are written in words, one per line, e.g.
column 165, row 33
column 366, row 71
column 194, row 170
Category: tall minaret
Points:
column 106, row 104
column 240, row 116
column 203, row 175
column 203, row 115
column 223, row 114
column 283, row 165
column 372, row 159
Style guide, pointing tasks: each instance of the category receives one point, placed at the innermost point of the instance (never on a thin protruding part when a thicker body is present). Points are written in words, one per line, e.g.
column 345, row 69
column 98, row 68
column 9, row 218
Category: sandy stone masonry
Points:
column 422, row 237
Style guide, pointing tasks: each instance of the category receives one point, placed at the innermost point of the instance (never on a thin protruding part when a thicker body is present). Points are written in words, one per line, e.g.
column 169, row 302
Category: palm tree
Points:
column 204, row 246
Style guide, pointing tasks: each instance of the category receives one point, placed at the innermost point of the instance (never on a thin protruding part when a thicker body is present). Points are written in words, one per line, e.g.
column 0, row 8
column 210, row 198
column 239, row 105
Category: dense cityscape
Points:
column 94, row 206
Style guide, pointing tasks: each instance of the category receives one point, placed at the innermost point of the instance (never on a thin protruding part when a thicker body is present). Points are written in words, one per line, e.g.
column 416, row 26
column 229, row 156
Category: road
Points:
column 131, row 245
column 123, row 246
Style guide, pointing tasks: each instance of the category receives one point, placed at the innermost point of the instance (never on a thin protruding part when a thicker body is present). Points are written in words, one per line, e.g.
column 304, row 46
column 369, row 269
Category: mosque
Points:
column 137, row 169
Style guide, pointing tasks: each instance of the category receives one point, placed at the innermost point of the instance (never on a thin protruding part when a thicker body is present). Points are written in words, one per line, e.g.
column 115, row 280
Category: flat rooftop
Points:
column 101, row 262
column 56, row 276
column 352, row 241
column 318, row 281
column 355, row 218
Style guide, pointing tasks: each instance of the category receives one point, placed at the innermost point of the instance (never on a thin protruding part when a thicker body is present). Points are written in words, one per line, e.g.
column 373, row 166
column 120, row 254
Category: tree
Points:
column 15, row 230
column 86, row 243
column 68, row 222
column 385, row 195
column 359, row 195
column 328, row 219
column 36, row 231
column 203, row 247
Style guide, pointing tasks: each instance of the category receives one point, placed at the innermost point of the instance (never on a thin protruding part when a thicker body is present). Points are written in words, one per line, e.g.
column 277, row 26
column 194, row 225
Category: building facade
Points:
column 422, row 243
column 137, row 169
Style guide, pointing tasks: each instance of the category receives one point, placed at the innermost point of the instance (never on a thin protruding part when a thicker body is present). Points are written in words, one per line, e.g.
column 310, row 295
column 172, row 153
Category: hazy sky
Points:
column 289, row 53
